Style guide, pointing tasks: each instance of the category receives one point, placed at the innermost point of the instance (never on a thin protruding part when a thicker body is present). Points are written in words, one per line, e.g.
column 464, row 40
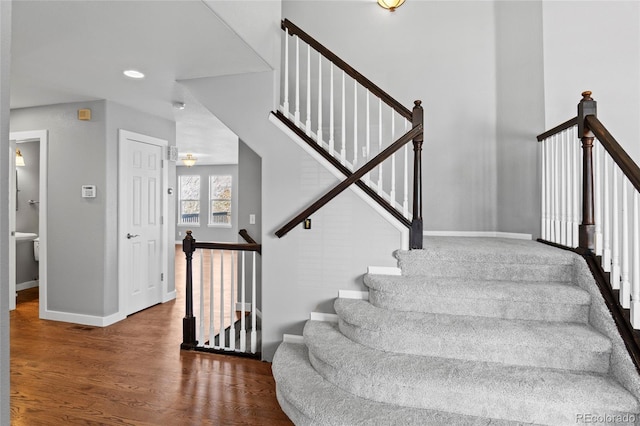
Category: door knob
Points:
column 130, row 236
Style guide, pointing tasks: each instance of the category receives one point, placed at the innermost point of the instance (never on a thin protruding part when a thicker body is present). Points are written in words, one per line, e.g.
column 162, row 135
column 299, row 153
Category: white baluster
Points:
column 615, row 234
column 597, row 197
column 343, row 123
column 625, row 284
column 331, row 112
column 201, row 322
column 405, row 198
column 355, row 125
column 635, row 289
column 221, row 333
column 212, row 329
column 379, row 144
column 319, row 133
column 606, row 216
column 232, row 308
column 563, row 189
column 392, row 194
column 543, row 195
column 286, row 73
column 243, row 326
column 307, row 125
column 569, row 185
column 556, row 190
column 577, row 179
column 367, row 136
column 254, row 306
column 296, row 115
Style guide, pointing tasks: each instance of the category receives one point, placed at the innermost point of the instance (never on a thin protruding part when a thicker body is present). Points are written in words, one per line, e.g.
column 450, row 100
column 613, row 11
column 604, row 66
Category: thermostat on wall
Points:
column 88, row 191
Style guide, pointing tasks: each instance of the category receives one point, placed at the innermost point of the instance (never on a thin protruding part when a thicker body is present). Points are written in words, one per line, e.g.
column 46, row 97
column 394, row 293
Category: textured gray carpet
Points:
column 476, row 331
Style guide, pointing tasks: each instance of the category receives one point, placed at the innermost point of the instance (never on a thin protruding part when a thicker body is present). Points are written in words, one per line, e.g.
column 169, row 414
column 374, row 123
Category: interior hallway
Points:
column 130, row 373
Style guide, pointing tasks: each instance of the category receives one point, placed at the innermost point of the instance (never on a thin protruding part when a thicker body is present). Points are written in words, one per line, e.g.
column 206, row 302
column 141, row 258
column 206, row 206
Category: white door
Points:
column 140, row 223
column 13, row 193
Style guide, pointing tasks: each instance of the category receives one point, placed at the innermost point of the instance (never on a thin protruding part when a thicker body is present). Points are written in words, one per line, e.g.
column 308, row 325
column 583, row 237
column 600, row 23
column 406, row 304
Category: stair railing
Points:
column 350, row 121
column 590, row 204
column 226, row 294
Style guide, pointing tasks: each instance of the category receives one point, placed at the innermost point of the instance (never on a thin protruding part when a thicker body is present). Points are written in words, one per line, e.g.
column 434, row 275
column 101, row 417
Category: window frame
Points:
column 211, row 199
column 181, row 200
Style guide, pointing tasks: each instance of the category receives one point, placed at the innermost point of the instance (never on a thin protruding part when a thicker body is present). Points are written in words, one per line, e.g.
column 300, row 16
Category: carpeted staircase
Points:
column 474, row 332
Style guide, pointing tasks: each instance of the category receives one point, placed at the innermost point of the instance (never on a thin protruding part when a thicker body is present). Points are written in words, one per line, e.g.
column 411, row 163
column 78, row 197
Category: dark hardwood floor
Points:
column 130, row 373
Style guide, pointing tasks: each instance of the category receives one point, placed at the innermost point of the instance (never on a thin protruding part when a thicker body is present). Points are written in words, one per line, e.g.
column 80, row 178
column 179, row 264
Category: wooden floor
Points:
column 130, row 373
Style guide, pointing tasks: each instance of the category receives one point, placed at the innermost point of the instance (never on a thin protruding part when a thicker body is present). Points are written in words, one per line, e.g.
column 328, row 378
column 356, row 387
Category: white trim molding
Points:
column 293, row 338
column 353, row 294
column 486, row 234
column 324, row 317
column 27, row 284
column 92, row 320
column 384, row 270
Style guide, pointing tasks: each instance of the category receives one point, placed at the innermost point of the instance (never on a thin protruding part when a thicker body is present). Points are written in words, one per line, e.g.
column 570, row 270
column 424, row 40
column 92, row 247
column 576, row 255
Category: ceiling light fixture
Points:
column 133, row 74
column 189, row 160
column 19, row 159
column 391, row 5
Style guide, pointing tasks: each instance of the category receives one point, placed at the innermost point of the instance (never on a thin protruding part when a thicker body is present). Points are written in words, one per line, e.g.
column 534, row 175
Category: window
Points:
column 220, row 200
column 189, row 200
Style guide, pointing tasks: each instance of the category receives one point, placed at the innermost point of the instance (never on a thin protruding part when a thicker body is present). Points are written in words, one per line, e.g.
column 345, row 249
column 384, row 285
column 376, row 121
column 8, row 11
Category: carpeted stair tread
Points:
column 492, row 250
column 491, row 390
column 308, row 399
column 547, row 301
column 513, row 342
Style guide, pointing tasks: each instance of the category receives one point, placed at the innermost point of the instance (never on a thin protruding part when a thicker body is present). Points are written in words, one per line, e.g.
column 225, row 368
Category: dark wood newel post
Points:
column 189, row 321
column 587, row 106
column 415, row 238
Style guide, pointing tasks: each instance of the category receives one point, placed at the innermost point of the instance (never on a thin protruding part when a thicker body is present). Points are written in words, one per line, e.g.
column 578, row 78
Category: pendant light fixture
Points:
column 391, row 5
column 19, row 159
column 189, row 160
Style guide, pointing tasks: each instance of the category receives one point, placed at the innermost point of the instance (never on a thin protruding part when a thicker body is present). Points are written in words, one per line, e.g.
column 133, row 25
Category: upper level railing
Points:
column 590, row 202
column 226, row 296
column 352, row 123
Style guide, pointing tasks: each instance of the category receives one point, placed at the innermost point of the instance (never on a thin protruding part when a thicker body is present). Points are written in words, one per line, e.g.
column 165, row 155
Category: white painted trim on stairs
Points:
column 384, row 270
column 404, row 231
column 27, row 284
column 353, row 294
column 293, row 338
column 321, row 316
column 487, row 234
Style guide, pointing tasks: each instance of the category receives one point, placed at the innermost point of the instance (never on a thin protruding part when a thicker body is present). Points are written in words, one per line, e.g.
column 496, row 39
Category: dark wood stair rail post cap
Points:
column 586, row 230
column 189, row 341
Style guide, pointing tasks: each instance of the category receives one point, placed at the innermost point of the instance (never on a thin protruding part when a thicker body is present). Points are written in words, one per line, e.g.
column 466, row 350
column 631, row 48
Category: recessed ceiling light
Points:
column 133, row 74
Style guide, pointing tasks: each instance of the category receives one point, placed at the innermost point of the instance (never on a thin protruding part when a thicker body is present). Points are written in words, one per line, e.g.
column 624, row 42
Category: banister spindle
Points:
column 392, row 194
column 212, row 296
column 254, row 335
column 597, row 196
column 405, row 174
column 543, row 190
column 243, row 325
column 379, row 144
column 625, row 283
column 355, row 125
column 576, row 185
column 286, row 72
column 232, row 299
column 416, row 222
column 367, row 134
column 221, row 340
column 606, row 216
column 189, row 321
column 587, row 106
column 635, row 289
column 343, row 123
column 319, row 132
column 331, row 112
column 296, row 115
column 307, row 124
column 615, row 233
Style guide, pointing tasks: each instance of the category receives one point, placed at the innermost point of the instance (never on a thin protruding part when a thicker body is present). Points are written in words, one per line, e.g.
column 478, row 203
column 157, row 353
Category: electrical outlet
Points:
column 307, row 224
column 252, row 219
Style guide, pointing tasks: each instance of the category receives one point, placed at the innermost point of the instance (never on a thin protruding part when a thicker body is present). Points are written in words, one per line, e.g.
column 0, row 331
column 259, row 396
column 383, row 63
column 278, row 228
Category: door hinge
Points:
column 162, row 276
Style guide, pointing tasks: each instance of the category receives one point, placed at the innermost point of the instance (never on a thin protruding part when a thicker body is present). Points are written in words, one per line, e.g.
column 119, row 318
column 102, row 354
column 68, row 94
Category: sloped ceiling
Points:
column 67, row 51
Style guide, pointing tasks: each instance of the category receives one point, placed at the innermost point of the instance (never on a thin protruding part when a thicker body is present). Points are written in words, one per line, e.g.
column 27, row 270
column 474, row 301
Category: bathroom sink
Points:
column 23, row 236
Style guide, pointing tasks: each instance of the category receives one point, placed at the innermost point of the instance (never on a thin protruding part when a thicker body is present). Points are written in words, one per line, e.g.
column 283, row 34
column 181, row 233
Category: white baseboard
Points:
column 384, row 270
column 321, row 316
column 353, row 294
column 83, row 319
column 168, row 296
column 486, row 234
column 27, row 284
column 293, row 338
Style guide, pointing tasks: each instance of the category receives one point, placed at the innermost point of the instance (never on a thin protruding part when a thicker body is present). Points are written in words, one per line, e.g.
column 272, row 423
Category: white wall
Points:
column 306, row 268
column 5, row 55
column 594, row 45
column 444, row 54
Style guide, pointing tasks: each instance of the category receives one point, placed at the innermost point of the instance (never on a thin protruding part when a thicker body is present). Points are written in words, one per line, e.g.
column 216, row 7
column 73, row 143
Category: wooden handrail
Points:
column 619, row 155
column 227, row 246
column 245, row 235
column 366, row 168
column 560, row 127
column 293, row 29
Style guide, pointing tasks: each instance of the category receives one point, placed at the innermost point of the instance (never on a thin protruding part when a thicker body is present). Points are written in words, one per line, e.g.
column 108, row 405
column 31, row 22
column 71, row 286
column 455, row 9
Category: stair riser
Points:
column 489, row 308
column 420, row 343
column 490, row 271
column 492, row 403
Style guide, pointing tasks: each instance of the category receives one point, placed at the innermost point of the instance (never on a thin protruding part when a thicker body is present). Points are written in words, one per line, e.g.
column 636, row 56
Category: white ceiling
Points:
column 68, row 51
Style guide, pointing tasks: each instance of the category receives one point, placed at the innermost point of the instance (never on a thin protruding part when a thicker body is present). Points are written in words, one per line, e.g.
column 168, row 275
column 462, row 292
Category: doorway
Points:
column 142, row 230
column 38, row 203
